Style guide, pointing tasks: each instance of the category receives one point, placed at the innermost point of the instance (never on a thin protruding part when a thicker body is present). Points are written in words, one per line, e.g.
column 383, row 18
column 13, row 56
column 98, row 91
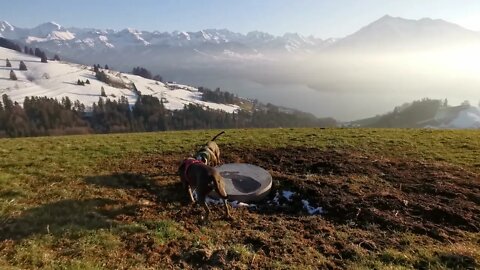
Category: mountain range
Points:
column 278, row 69
column 385, row 33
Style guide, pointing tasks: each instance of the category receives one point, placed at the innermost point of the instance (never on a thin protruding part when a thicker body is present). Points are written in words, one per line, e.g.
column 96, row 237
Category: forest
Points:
column 42, row 116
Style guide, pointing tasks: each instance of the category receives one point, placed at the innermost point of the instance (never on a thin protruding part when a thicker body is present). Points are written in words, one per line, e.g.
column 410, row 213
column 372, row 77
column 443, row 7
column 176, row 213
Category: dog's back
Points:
column 203, row 179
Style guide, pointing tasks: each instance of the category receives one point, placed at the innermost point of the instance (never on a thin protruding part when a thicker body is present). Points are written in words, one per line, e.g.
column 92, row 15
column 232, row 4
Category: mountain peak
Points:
column 45, row 29
column 6, row 26
column 396, row 33
column 53, row 25
column 387, row 17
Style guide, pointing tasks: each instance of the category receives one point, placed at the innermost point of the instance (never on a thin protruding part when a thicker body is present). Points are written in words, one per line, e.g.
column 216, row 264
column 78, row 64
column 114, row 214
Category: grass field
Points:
column 393, row 199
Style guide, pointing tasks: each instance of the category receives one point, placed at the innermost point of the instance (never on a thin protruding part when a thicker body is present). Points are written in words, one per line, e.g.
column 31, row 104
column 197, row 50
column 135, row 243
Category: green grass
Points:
column 59, row 217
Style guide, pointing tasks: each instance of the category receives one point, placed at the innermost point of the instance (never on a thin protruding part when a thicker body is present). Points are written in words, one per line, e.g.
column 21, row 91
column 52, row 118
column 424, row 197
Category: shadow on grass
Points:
column 63, row 216
column 70, row 216
column 160, row 192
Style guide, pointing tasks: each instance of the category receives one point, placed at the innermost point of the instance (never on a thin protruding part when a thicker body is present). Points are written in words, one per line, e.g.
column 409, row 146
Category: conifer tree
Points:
column 102, row 92
column 38, row 52
column 13, row 76
column 43, row 58
column 8, row 64
column 56, row 57
column 22, row 66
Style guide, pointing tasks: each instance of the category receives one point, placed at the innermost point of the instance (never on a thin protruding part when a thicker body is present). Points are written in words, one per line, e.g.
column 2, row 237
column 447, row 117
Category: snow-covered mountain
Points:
column 57, row 79
column 287, row 67
column 394, row 33
column 52, row 36
column 86, row 45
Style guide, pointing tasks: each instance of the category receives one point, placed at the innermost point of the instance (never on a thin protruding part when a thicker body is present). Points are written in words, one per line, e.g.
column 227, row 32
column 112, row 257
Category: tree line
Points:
column 42, row 116
column 218, row 96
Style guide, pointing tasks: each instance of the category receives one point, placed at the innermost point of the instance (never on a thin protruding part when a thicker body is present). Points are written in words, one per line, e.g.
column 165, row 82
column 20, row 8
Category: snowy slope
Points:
column 58, row 79
column 469, row 117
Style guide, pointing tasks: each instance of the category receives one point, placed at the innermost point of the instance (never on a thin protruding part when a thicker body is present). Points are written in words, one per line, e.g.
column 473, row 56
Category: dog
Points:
column 203, row 179
column 210, row 152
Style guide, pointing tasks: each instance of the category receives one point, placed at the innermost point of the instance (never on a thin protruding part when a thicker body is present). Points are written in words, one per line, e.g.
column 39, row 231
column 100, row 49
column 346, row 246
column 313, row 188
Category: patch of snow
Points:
column 104, row 39
column 276, row 198
column 184, row 35
column 288, row 194
column 312, row 210
column 234, row 204
column 61, row 35
column 468, row 118
column 89, row 42
column 31, row 39
column 285, row 194
column 4, row 26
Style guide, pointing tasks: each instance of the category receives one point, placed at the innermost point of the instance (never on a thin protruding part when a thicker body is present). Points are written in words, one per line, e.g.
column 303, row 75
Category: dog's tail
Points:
column 220, row 187
column 213, row 139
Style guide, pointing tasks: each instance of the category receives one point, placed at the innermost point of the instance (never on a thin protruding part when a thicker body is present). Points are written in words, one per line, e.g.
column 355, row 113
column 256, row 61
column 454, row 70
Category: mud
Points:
column 367, row 201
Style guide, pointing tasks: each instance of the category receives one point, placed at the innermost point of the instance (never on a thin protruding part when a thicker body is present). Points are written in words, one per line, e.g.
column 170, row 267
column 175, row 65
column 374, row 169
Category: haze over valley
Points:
column 387, row 62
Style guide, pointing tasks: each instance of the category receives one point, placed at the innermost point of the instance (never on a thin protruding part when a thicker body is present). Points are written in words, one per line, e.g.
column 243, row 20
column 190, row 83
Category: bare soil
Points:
column 369, row 203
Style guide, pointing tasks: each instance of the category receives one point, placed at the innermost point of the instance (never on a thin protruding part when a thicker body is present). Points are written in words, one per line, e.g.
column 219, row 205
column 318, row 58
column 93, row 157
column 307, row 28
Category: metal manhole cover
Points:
column 245, row 182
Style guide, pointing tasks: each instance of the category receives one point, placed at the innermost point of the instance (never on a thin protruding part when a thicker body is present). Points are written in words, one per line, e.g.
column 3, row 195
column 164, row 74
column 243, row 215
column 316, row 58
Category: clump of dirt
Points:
column 366, row 199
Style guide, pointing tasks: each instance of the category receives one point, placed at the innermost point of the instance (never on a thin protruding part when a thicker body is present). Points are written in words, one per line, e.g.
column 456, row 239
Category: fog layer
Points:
column 344, row 85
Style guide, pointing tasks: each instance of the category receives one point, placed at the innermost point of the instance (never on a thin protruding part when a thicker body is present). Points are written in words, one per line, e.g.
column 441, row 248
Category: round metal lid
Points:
column 244, row 182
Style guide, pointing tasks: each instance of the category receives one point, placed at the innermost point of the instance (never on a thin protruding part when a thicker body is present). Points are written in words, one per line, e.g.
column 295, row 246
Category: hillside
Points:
column 425, row 113
column 390, row 199
column 57, row 79
column 57, row 98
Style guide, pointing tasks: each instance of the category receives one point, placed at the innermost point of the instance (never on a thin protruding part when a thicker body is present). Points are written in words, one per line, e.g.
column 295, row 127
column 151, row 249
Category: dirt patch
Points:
column 366, row 200
column 431, row 198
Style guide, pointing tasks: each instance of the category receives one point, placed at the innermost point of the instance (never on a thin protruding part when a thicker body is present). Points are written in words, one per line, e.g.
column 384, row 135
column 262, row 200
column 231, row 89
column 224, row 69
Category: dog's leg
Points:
column 189, row 190
column 227, row 212
column 201, row 200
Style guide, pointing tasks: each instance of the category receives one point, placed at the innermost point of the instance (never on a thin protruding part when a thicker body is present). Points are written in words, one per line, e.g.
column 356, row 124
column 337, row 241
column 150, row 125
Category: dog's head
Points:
column 202, row 156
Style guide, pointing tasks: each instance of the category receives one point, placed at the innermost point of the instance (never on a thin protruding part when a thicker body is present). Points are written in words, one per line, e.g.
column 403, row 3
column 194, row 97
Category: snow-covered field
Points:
column 57, row 79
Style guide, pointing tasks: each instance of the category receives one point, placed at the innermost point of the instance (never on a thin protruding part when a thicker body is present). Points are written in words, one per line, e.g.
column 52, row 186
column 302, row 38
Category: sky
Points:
column 321, row 18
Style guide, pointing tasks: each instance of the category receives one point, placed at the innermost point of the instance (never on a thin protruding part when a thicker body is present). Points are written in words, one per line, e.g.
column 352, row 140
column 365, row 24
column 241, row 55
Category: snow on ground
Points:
column 468, row 118
column 289, row 196
column 234, row 204
column 59, row 79
column 312, row 210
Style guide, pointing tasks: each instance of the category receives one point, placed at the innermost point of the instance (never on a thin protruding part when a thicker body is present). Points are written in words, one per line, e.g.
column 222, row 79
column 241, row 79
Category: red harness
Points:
column 189, row 162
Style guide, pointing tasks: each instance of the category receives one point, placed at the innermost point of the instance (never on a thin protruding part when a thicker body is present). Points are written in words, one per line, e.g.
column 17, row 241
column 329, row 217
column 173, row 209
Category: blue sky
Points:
column 335, row 18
